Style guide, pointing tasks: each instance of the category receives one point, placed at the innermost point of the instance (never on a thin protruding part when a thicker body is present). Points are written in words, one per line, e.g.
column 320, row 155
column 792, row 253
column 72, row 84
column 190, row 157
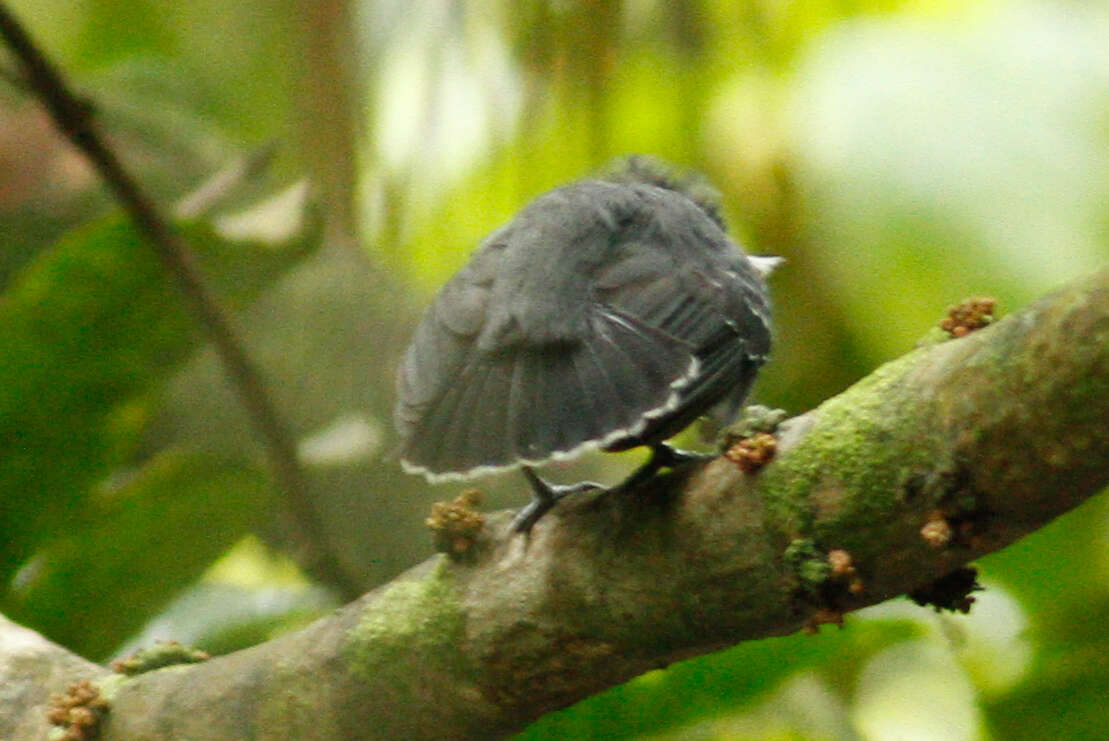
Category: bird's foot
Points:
column 546, row 496
column 667, row 456
column 662, row 456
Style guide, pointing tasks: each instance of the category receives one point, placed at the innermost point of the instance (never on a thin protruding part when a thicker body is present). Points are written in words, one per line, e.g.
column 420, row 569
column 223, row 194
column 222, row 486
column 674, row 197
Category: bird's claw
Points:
column 546, row 496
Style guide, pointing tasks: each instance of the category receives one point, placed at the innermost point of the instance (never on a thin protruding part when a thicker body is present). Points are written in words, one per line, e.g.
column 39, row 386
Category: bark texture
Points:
column 948, row 453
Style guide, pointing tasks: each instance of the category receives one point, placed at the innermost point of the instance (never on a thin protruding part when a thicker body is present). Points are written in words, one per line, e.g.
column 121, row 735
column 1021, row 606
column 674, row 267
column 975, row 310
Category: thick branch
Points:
column 73, row 117
column 32, row 667
column 995, row 434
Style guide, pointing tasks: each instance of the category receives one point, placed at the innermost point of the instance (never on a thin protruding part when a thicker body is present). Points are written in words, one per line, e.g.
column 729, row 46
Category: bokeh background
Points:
column 333, row 161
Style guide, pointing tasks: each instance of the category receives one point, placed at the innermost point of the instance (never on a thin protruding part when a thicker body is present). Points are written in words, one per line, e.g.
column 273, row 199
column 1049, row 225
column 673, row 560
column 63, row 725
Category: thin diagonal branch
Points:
column 73, row 117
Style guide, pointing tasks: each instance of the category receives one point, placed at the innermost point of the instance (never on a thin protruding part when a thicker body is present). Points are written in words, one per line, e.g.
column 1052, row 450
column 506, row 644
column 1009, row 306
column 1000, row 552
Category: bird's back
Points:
column 605, row 315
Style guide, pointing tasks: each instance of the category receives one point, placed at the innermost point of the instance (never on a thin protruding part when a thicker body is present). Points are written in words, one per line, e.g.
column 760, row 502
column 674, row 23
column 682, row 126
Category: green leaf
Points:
column 717, row 683
column 135, row 545
column 1065, row 696
column 90, row 329
column 221, row 618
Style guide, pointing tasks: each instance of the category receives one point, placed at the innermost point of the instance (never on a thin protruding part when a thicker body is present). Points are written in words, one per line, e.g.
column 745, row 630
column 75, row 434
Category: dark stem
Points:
column 73, row 117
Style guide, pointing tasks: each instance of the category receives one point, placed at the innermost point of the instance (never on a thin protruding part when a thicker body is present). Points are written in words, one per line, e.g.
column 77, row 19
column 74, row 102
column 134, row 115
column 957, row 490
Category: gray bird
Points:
column 609, row 313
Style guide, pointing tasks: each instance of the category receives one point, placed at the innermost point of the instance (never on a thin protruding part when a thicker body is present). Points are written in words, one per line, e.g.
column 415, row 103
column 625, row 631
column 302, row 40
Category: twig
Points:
column 73, row 118
column 214, row 191
column 13, row 78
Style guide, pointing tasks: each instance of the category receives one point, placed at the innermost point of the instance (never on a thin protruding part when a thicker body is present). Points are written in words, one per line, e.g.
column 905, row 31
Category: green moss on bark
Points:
column 409, row 615
column 858, row 451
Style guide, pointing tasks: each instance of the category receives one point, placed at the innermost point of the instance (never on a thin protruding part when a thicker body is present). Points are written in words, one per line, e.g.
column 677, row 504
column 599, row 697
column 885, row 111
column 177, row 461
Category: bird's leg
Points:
column 546, row 496
column 662, row 456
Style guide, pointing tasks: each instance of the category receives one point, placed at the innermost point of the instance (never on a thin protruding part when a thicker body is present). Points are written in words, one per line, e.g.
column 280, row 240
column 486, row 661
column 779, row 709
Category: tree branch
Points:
column 73, row 117
column 992, row 435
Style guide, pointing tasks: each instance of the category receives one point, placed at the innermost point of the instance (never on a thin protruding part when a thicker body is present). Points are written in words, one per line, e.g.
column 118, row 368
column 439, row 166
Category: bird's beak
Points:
column 765, row 264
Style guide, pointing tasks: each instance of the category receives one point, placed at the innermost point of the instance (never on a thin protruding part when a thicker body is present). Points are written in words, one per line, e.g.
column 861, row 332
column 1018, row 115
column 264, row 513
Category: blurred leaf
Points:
column 248, row 617
column 136, row 544
column 717, row 684
column 916, row 690
column 1065, row 695
column 220, row 618
column 251, row 594
column 91, row 326
column 803, row 708
column 1053, row 571
column 328, row 335
column 135, row 27
column 1059, row 573
column 941, row 157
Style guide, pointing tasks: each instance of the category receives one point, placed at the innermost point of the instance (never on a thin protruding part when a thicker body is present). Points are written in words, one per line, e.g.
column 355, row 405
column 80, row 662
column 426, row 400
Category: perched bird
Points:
column 609, row 313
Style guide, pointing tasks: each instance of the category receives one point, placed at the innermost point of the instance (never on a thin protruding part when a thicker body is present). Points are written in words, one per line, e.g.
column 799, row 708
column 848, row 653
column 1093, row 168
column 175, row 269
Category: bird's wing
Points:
column 527, row 404
column 509, row 367
column 714, row 306
column 699, row 302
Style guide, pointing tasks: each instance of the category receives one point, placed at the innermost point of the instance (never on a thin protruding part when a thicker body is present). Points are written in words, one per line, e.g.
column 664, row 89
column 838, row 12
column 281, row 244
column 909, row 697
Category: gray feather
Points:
column 579, row 324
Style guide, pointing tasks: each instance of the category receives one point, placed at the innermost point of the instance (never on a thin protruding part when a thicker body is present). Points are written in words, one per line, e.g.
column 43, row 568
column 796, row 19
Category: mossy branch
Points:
column 954, row 450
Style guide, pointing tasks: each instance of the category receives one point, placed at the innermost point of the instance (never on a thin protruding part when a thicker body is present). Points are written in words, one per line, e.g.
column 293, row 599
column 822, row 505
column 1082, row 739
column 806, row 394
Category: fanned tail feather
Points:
column 532, row 405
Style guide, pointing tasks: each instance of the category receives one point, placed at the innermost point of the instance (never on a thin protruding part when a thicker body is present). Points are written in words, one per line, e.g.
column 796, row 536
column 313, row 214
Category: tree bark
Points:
column 948, row 453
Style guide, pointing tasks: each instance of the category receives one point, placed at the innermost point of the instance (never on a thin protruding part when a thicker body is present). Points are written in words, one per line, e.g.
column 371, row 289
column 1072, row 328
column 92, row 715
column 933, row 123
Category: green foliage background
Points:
column 900, row 155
